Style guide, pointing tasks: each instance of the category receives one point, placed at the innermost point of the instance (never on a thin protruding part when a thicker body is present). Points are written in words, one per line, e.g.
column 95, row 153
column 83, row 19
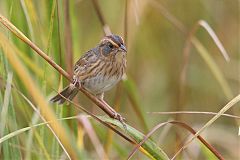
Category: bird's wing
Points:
column 84, row 64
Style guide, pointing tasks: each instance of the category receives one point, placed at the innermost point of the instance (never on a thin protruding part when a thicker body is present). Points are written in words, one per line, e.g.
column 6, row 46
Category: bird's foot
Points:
column 121, row 119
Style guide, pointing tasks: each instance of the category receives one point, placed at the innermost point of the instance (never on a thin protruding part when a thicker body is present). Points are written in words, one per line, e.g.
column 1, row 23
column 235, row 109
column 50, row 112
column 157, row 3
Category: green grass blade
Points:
column 135, row 101
column 22, row 130
column 46, row 111
column 29, row 139
column 4, row 111
column 152, row 150
column 4, row 116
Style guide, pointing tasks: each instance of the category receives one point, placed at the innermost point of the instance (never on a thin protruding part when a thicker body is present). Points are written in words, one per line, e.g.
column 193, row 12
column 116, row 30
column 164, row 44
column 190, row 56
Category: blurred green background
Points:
column 157, row 34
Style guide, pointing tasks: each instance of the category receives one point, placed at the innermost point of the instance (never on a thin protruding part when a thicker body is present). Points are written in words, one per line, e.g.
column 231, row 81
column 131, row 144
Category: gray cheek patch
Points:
column 106, row 50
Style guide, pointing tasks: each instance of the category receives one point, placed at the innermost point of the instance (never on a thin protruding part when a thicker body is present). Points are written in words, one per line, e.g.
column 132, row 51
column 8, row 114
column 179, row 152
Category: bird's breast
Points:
column 106, row 78
column 100, row 83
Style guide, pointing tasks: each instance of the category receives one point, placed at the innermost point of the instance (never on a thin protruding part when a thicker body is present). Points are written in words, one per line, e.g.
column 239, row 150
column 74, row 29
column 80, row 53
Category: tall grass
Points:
column 173, row 65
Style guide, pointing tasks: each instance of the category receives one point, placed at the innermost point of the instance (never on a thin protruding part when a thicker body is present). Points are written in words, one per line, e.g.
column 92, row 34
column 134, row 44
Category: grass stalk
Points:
column 38, row 97
column 210, row 122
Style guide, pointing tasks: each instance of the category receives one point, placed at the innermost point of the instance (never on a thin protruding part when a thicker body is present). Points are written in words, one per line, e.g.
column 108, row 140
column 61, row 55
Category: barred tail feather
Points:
column 69, row 92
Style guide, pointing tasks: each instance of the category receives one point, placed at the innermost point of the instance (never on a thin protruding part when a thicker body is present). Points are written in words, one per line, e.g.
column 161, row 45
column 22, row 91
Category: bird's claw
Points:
column 121, row 119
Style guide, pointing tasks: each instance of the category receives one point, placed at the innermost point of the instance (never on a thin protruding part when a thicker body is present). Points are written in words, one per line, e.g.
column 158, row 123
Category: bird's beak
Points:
column 123, row 48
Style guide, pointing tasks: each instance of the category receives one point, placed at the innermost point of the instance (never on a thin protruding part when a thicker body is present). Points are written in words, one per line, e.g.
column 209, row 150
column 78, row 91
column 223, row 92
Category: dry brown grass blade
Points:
column 68, row 38
column 80, row 136
column 183, row 125
column 222, row 111
column 59, row 34
column 169, row 16
column 194, row 112
column 136, row 11
column 68, row 46
column 106, row 28
column 28, row 19
column 214, row 68
column 213, row 35
column 183, row 75
column 83, row 119
column 126, row 22
column 145, row 138
column 191, row 39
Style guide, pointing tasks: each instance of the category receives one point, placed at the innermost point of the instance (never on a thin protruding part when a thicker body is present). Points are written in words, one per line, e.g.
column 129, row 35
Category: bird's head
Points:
column 112, row 45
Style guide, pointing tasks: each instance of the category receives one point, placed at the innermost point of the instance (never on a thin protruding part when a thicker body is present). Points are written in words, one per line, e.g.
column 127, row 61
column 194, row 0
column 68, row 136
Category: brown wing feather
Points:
column 86, row 64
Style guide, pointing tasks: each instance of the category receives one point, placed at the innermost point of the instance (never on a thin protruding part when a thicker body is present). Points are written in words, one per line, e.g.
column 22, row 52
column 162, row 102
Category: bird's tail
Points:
column 69, row 92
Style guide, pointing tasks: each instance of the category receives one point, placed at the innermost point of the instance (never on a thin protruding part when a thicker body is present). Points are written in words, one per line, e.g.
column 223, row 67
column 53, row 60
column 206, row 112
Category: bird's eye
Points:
column 110, row 45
